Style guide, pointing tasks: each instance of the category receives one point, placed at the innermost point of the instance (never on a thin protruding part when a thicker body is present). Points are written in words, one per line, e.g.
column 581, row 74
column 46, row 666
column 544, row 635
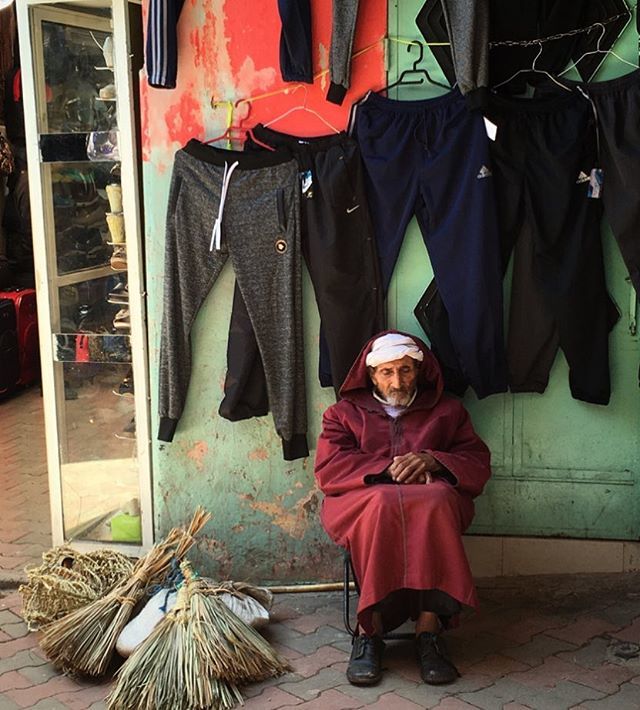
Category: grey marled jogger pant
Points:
column 260, row 233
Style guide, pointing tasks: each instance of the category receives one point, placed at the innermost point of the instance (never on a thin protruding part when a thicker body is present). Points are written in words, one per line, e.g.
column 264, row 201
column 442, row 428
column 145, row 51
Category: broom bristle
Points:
column 236, row 652
column 166, row 671
column 83, row 641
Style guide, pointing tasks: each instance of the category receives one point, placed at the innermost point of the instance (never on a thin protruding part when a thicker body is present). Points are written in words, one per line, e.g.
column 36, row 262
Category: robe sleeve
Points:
column 467, row 457
column 341, row 465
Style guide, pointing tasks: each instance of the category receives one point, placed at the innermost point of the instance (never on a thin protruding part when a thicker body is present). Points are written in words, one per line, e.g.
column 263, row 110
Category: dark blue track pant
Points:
column 430, row 158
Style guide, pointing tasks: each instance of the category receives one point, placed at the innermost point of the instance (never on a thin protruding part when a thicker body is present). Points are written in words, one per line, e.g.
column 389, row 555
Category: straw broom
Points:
column 84, row 640
column 234, row 650
column 194, row 657
column 168, row 672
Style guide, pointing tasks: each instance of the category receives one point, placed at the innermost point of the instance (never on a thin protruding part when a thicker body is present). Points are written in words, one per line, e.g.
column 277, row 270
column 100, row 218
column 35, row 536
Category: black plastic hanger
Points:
column 415, row 76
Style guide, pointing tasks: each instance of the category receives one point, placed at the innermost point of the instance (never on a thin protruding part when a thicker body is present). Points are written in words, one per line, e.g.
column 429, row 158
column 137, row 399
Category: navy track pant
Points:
column 542, row 155
column 430, row 158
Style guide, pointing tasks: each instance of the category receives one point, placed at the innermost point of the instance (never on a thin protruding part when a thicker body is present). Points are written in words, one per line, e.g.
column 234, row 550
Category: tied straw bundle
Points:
column 195, row 657
column 67, row 580
column 84, row 641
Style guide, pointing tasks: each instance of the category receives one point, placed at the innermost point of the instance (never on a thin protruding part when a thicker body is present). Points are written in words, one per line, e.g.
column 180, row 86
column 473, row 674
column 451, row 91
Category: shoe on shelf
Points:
column 122, row 319
column 108, row 92
column 129, row 432
column 119, row 259
column 119, row 296
column 435, row 666
column 365, row 663
column 107, row 52
column 125, row 388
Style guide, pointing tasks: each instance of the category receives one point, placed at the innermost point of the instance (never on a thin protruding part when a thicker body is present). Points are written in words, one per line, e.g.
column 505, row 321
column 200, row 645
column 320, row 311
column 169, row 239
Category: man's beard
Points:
column 397, row 398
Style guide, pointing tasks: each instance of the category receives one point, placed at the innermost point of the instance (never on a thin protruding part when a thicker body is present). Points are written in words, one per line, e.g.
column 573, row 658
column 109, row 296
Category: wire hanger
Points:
column 533, row 68
column 303, row 107
column 598, row 50
column 422, row 72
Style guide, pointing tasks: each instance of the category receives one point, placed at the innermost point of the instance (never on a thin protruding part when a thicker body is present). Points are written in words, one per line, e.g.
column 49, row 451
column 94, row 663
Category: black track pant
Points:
column 339, row 248
column 617, row 105
column 543, row 151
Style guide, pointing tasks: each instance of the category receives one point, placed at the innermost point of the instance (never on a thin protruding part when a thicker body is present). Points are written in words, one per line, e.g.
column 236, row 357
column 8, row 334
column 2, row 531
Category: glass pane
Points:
column 84, row 224
column 81, row 347
column 95, row 306
column 80, row 90
column 100, row 489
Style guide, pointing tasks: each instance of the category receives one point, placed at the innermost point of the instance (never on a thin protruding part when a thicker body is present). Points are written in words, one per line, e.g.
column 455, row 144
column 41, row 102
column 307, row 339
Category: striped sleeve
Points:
column 162, row 43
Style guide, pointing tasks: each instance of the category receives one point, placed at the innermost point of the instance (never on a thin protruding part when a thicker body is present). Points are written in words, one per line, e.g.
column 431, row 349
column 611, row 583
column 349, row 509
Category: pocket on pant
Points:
column 341, row 184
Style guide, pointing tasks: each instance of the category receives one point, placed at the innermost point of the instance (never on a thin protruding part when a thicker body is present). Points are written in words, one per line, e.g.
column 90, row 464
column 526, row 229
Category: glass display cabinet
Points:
column 80, row 63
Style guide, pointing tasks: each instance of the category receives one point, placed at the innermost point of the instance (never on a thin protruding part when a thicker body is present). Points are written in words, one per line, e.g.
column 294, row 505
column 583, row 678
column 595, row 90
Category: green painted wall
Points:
column 265, row 523
column 561, row 467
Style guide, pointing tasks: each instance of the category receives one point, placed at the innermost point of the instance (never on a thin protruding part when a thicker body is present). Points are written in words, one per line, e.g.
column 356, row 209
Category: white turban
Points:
column 393, row 346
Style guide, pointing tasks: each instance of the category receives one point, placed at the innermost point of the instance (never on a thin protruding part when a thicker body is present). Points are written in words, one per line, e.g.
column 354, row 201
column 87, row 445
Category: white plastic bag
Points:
column 247, row 608
column 141, row 626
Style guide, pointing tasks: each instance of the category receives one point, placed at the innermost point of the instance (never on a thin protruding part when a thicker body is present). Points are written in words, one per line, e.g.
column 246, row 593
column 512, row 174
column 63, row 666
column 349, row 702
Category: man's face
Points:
column 396, row 380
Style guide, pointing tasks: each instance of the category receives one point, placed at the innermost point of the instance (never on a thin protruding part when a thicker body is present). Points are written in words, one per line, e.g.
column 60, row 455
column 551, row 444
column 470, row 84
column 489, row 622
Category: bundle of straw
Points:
column 168, row 672
column 67, row 580
column 83, row 641
column 195, row 657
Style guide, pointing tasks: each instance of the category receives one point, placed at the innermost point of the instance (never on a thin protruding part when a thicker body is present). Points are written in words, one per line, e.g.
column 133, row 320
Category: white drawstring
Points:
column 216, row 235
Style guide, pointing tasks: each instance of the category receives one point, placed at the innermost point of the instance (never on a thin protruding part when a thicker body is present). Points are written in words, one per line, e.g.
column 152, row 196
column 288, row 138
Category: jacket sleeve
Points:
column 340, row 463
column 467, row 457
column 162, row 43
column 468, row 28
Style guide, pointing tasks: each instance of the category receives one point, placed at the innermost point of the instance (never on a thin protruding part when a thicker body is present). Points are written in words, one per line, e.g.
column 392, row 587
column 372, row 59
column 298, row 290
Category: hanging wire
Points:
column 560, row 35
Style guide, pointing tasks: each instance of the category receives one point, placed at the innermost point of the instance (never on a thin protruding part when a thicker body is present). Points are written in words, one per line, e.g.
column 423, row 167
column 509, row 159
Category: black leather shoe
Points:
column 435, row 667
column 365, row 664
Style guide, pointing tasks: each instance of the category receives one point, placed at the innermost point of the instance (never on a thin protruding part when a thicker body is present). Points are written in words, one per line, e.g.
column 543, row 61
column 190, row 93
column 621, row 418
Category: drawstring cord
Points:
column 597, row 122
column 216, row 234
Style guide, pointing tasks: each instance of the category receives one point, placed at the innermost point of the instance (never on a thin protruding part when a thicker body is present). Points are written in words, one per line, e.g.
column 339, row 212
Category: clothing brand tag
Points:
column 491, row 128
column 306, row 183
column 596, row 179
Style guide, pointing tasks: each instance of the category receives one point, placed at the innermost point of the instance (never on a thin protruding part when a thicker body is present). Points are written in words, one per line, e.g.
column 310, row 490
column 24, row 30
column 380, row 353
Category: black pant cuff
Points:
column 336, row 93
column 167, row 428
column 303, row 78
column 295, row 448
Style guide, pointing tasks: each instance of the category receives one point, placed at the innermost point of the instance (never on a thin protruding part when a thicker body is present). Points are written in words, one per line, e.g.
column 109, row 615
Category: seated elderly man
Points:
column 395, row 426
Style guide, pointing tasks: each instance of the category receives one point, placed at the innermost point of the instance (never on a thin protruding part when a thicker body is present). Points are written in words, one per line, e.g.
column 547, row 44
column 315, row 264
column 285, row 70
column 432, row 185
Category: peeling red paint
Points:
column 295, row 521
column 197, row 453
column 260, row 454
column 184, row 119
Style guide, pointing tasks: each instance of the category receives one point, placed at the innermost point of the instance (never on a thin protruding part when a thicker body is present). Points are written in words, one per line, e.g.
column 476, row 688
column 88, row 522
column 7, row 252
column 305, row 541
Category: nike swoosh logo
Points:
column 352, row 209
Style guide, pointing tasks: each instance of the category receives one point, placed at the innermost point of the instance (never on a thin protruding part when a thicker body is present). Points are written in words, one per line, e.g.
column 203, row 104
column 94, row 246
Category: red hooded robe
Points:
column 404, row 536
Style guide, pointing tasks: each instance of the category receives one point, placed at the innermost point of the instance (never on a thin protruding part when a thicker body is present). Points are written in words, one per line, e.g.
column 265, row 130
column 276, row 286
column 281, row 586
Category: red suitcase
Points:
column 24, row 300
column 9, row 358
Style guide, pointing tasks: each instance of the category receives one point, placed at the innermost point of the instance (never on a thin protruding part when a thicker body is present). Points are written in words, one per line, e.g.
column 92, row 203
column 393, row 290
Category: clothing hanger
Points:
column 402, row 79
column 533, row 68
column 302, row 107
column 598, row 50
column 231, row 132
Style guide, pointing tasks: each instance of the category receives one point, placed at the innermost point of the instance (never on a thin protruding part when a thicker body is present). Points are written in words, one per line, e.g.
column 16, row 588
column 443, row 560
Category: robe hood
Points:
column 357, row 386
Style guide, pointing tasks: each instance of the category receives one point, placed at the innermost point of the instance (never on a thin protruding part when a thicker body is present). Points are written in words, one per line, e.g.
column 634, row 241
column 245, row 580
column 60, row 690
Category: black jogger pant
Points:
column 254, row 198
column 339, row 249
column 542, row 155
column 617, row 106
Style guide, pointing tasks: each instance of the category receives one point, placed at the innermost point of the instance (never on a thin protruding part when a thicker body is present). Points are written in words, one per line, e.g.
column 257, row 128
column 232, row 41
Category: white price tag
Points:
column 491, row 128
